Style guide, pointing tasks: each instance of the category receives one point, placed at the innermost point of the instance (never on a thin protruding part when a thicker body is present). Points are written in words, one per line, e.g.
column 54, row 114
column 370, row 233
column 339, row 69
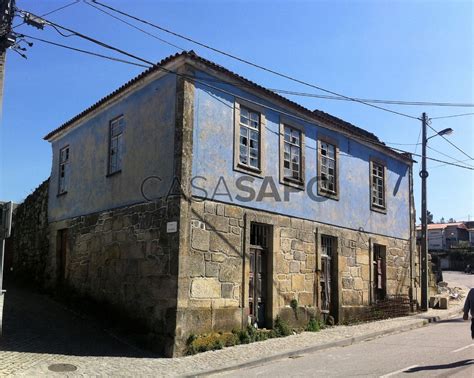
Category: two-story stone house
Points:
column 194, row 200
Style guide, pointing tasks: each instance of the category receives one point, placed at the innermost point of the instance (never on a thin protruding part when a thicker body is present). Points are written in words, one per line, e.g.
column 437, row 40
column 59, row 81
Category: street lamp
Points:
column 447, row 131
column 424, row 226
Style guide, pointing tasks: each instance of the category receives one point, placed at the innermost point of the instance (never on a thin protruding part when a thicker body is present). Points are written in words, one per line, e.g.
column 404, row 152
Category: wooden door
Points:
column 61, row 255
column 258, row 274
column 329, row 277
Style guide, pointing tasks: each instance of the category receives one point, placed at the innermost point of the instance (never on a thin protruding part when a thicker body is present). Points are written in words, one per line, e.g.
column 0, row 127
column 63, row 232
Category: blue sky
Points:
column 401, row 50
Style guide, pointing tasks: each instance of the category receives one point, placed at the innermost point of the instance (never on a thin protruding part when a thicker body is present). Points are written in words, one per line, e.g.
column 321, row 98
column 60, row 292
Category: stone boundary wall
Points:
column 125, row 259
column 30, row 237
column 218, row 280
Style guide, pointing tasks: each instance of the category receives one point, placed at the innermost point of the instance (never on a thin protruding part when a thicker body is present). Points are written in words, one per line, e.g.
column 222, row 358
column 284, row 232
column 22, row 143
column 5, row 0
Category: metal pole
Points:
column 424, row 225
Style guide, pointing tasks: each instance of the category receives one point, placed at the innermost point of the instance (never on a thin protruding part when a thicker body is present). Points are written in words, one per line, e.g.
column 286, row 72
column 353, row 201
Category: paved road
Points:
column 459, row 278
column 39, row 332
column 441, row 350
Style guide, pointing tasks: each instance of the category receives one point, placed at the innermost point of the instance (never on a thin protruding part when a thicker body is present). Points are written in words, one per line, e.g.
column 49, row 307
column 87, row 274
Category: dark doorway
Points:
column 329, row 277
column 379, row 273
column 258, row 277
column 61, row 255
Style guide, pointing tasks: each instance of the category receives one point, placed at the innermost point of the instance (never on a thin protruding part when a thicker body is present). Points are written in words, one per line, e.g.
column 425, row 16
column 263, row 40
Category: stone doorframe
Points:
column 372, row 242
column 273, row 248
column 327, row 230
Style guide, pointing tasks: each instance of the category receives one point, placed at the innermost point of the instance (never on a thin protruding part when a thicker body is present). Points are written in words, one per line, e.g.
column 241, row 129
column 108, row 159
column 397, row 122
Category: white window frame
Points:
column 294, row 127
column 322, row 189
column 379, row 186
column 238, row 164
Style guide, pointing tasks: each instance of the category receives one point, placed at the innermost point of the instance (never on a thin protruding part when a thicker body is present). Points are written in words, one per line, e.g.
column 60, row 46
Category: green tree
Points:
column 429, row 217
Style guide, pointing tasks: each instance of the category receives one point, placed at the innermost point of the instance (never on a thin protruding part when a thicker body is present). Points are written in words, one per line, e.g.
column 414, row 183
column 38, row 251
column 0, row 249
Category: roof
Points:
column 317, row 115
column 442, row 226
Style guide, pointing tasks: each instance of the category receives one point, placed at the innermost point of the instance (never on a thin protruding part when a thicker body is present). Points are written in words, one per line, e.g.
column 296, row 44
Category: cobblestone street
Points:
column 39, row 332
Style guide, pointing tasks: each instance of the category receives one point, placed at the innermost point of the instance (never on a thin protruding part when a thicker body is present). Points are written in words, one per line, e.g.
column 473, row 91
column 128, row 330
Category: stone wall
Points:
column 30, row 236
column 218, row 275
column 125, row 259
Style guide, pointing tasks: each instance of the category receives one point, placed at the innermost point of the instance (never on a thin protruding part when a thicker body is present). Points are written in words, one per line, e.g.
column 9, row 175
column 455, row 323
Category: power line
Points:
column 51, row 12
column 85, row 51
column 376, row 101
column 449, row 157
column 402, row 144
column 97, row 42
column 451, row 143
column 454, row 116
column 105, row 45
column 134, row 26
column 251, row 63
column 443, row 165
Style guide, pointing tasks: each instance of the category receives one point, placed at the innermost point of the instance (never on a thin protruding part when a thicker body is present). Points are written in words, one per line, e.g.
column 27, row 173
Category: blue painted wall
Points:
column 213, row 157
column 148, row 149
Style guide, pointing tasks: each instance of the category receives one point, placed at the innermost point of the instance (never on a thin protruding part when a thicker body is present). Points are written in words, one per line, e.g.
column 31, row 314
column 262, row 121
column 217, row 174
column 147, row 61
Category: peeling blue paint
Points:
column 213, row 142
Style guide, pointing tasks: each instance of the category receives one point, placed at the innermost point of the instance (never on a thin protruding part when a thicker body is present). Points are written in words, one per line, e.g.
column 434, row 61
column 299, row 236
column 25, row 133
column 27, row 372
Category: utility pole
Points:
column 7, row 9
column 424, row 225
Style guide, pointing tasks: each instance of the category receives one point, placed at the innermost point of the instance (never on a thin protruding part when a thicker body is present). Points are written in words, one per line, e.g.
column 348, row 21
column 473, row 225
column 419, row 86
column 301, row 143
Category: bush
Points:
column 281, row 327
column 244, row 337
column 314, row 325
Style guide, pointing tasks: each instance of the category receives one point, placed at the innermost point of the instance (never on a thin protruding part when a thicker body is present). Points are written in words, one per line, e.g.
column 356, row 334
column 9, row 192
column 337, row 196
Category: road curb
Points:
column 423, row 321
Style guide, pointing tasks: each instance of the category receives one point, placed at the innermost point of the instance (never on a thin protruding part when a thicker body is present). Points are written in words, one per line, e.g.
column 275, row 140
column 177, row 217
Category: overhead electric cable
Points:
column 51, row 12
column 377, row 101
column 135, row 27
column 449, row 157
column 453, row 116
column 402, row 144
column 443, row 165
column 251, row 63
column 105, row 45
column 85, row 51
column 97, row 42
column 451, row 143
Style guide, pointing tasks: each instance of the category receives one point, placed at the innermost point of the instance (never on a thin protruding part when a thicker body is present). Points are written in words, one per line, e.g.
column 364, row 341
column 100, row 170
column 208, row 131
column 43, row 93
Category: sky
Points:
column 398, row 50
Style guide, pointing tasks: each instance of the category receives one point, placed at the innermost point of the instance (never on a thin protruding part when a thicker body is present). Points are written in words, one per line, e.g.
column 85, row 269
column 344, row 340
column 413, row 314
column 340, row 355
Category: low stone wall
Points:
column 30, row 237
column 126, row 259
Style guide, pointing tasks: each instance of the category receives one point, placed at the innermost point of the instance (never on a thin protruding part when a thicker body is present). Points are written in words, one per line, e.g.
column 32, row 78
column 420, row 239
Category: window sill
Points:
column 61, row 194
column 297, row 184
column 327, row 194
column 377, row 209
column 250, row 171
column 113, row 173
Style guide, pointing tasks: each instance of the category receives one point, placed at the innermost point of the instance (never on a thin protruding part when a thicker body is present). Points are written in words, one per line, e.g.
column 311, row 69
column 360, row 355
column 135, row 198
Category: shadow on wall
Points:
column 34, row 323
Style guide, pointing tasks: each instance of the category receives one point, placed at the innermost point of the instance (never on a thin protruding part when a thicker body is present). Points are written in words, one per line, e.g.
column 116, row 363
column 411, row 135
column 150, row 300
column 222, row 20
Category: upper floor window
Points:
column 328, row 170
column 249, row 132
column 63, row 169
column 116, row 144
column 249, row 142
column 291, row 154
column 377, row 185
